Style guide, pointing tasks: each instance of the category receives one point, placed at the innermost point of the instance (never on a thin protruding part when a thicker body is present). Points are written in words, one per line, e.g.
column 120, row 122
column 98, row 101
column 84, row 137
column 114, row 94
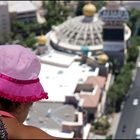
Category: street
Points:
column 129, row 120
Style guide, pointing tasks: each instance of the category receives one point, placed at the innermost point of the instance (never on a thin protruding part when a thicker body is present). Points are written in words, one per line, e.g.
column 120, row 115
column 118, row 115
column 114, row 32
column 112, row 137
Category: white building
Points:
column 60, row 74
column 131, row 4
column 78, row 33
column 22, row 10
column 4, row 22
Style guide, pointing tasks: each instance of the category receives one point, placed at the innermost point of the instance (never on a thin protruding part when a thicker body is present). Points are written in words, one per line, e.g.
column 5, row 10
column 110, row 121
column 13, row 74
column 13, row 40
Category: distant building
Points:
column 57, row 119
column 90, row 94
column 79, row 33
column 40, row 11
column 4, row 22
column 115, row 32
column 24, row 11
column 105, row 31
column 76, row 89
column 131, row 4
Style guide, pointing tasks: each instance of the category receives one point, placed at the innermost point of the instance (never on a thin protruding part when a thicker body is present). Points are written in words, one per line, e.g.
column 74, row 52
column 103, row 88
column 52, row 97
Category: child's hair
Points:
column 7, row 105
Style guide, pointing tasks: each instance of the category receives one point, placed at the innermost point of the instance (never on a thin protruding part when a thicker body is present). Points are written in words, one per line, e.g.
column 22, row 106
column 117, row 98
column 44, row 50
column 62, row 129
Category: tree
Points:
column 99, row 4
column 5, row 38
column 79, row 9
column 56, row 13
column 119, row 90
column 101, row 126
column 134, row 41
column 29, row 42
column 133, row 53
column 134, row 21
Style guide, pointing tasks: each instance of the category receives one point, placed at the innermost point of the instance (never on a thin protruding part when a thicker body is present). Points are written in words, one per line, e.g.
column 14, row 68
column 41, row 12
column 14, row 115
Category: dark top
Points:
column 3, row 132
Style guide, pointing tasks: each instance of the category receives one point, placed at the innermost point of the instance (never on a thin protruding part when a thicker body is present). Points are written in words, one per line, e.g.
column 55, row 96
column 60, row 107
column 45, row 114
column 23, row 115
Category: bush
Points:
column 109, row 137
column 101, row 124
column 133, row 53
column 118, row 91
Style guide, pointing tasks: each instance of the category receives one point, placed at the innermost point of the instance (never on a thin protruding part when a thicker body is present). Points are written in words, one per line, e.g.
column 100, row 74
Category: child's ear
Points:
column 20, row 108
column 26, row 105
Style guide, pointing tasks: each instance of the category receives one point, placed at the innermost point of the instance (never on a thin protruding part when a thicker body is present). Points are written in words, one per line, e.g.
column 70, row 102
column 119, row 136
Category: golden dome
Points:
column 89, row 10
column 102, row 58
column 42, row 40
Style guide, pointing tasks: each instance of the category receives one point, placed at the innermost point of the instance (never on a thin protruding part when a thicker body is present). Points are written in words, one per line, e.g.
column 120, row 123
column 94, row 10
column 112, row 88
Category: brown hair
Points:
column 7, row 105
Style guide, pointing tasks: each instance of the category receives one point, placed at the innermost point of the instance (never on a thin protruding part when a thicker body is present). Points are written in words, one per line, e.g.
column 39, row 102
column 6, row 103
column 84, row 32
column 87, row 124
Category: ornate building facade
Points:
column 115, row 31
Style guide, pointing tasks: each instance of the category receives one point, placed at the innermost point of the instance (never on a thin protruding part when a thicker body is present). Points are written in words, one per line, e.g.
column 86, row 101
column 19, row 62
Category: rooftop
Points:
column 21, row 6
column 91, row 101
column 96, row 80
column 3, row 3
column 57, row 58
column 60, row 81
column 50, row 115
column 60, row 74
column 80, row 31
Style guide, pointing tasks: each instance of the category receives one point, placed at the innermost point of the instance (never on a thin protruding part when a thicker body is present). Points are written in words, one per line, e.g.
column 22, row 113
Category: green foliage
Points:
column 118, row 91
column 120, row 88
column 99, row 4
column 134, row 21
column 134, row 41
column 29, row 42
column 109, row 137
column 101, row 124
column 2, row 42
column 130, row 65
column 56, row 13
column 79, row 9
column 112, row 96
column 24, row 33
column 133, row 53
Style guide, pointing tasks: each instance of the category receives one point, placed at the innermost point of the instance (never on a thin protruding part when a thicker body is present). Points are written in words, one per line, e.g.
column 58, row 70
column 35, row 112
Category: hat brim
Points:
column 21, row 92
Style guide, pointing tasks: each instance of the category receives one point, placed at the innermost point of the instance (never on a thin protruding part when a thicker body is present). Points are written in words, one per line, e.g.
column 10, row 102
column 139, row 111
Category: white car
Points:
column 135, row 102
column 138, row 133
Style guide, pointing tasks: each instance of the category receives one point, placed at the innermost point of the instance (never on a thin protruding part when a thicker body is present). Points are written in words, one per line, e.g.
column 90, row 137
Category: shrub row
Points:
column 123, row 80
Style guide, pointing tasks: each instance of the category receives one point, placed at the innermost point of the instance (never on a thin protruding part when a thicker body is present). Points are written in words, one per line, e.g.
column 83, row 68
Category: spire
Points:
column 42, row 39
column 89, row 10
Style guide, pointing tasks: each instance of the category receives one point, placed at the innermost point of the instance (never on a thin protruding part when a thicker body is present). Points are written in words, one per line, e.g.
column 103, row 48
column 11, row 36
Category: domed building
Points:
column 79, row 32
column 105, row 31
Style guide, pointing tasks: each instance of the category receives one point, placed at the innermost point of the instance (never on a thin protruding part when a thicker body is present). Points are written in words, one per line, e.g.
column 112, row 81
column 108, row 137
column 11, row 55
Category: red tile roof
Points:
column 96, row 80
column 91, row 101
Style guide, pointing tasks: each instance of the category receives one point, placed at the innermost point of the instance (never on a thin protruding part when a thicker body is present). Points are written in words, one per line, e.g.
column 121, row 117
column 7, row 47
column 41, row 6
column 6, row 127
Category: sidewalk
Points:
column 114, row 124
column 114, row 120
column 96, row 137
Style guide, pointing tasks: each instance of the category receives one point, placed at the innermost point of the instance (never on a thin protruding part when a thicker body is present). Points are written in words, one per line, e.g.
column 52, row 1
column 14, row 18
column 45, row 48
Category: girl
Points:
column 19, row 88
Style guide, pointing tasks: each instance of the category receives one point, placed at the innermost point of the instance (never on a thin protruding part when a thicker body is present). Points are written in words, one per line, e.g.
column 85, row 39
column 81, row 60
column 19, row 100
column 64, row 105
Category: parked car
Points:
column 135, row 102
column 138, row 133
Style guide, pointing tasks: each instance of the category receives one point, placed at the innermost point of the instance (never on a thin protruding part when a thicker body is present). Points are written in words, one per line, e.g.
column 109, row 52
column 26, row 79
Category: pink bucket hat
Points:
column 19, row 70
